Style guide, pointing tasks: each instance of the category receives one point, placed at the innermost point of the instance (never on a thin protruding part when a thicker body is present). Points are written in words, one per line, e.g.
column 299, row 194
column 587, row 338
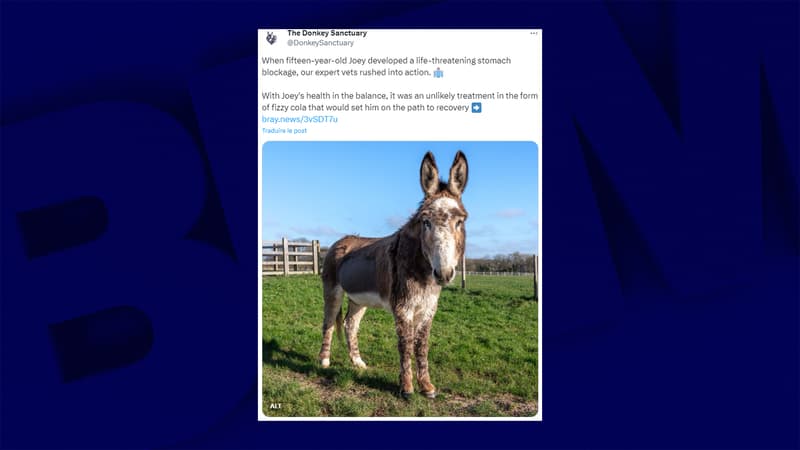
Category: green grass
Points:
column 483, row 354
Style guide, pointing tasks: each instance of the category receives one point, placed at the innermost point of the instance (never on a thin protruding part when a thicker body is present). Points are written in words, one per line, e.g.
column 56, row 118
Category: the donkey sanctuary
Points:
column 402, row 273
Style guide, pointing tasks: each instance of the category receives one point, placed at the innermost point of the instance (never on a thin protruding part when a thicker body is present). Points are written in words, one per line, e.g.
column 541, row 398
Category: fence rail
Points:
column 501, row 274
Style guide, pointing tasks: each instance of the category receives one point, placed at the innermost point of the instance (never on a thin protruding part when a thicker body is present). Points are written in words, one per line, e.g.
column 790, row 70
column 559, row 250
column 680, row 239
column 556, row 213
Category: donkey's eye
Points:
column 427, row 224
column 459, row 224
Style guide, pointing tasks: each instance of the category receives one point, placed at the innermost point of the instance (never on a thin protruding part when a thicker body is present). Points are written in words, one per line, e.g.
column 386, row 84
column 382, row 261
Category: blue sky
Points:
column 324, row 190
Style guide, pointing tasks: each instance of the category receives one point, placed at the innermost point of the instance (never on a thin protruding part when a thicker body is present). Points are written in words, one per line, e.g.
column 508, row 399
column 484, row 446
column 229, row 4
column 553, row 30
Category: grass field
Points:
column 483, row 354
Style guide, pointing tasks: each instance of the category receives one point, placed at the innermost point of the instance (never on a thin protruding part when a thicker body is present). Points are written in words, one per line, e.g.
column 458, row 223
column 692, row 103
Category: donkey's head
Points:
column 441, row 216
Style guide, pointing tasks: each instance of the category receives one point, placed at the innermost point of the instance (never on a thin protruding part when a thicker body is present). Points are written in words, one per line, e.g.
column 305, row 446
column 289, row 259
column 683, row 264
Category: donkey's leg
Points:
column 404, row 325
column 354, row 314
column 423, row 330
column 333, row 308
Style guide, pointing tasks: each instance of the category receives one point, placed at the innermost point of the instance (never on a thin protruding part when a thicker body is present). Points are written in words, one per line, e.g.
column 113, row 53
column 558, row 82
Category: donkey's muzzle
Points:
column 444, row 278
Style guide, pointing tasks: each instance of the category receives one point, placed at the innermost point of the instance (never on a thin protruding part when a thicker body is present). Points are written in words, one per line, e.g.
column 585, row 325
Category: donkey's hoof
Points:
column 325, row 363
column 359, row 363
column 431, row 394
column 406, row 395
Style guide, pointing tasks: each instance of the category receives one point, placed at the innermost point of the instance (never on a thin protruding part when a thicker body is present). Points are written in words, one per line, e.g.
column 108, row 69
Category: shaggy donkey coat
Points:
column 402, row 273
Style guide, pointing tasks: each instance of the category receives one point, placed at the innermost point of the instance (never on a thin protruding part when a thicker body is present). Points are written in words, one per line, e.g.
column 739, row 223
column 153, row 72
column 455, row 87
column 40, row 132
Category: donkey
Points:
column 402, row 273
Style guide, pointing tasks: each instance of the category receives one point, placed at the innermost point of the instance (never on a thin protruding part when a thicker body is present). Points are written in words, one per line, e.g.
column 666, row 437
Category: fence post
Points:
column 315, row 255
column 285, row 256
column 464, row 271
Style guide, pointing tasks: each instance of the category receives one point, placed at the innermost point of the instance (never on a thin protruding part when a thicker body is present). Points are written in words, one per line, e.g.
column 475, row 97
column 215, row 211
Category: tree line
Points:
column 514, row 262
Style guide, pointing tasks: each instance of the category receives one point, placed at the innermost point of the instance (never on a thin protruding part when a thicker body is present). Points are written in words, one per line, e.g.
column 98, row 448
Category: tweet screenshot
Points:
column 400, row 244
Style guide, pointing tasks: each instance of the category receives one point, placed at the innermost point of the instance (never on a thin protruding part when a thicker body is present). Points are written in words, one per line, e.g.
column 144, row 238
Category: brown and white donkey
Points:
column 402, row 273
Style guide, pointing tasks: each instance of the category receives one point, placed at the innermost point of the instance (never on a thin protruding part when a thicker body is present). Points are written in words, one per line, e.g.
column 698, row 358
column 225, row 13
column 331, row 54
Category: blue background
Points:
column 129, row 211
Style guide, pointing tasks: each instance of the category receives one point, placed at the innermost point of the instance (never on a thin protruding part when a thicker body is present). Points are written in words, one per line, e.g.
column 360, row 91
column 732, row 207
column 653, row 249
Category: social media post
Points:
column 399, row 238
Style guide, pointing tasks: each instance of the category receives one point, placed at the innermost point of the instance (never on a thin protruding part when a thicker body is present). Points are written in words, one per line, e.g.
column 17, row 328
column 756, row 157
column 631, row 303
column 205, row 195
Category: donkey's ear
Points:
column 429, row 175
column 459, row 172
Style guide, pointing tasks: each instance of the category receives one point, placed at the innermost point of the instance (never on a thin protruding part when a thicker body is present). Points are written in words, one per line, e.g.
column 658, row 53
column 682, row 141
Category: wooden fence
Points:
column 288, row 258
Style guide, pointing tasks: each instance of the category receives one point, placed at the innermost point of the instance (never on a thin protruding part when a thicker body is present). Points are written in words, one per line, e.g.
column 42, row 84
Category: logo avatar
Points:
column 271, row 38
